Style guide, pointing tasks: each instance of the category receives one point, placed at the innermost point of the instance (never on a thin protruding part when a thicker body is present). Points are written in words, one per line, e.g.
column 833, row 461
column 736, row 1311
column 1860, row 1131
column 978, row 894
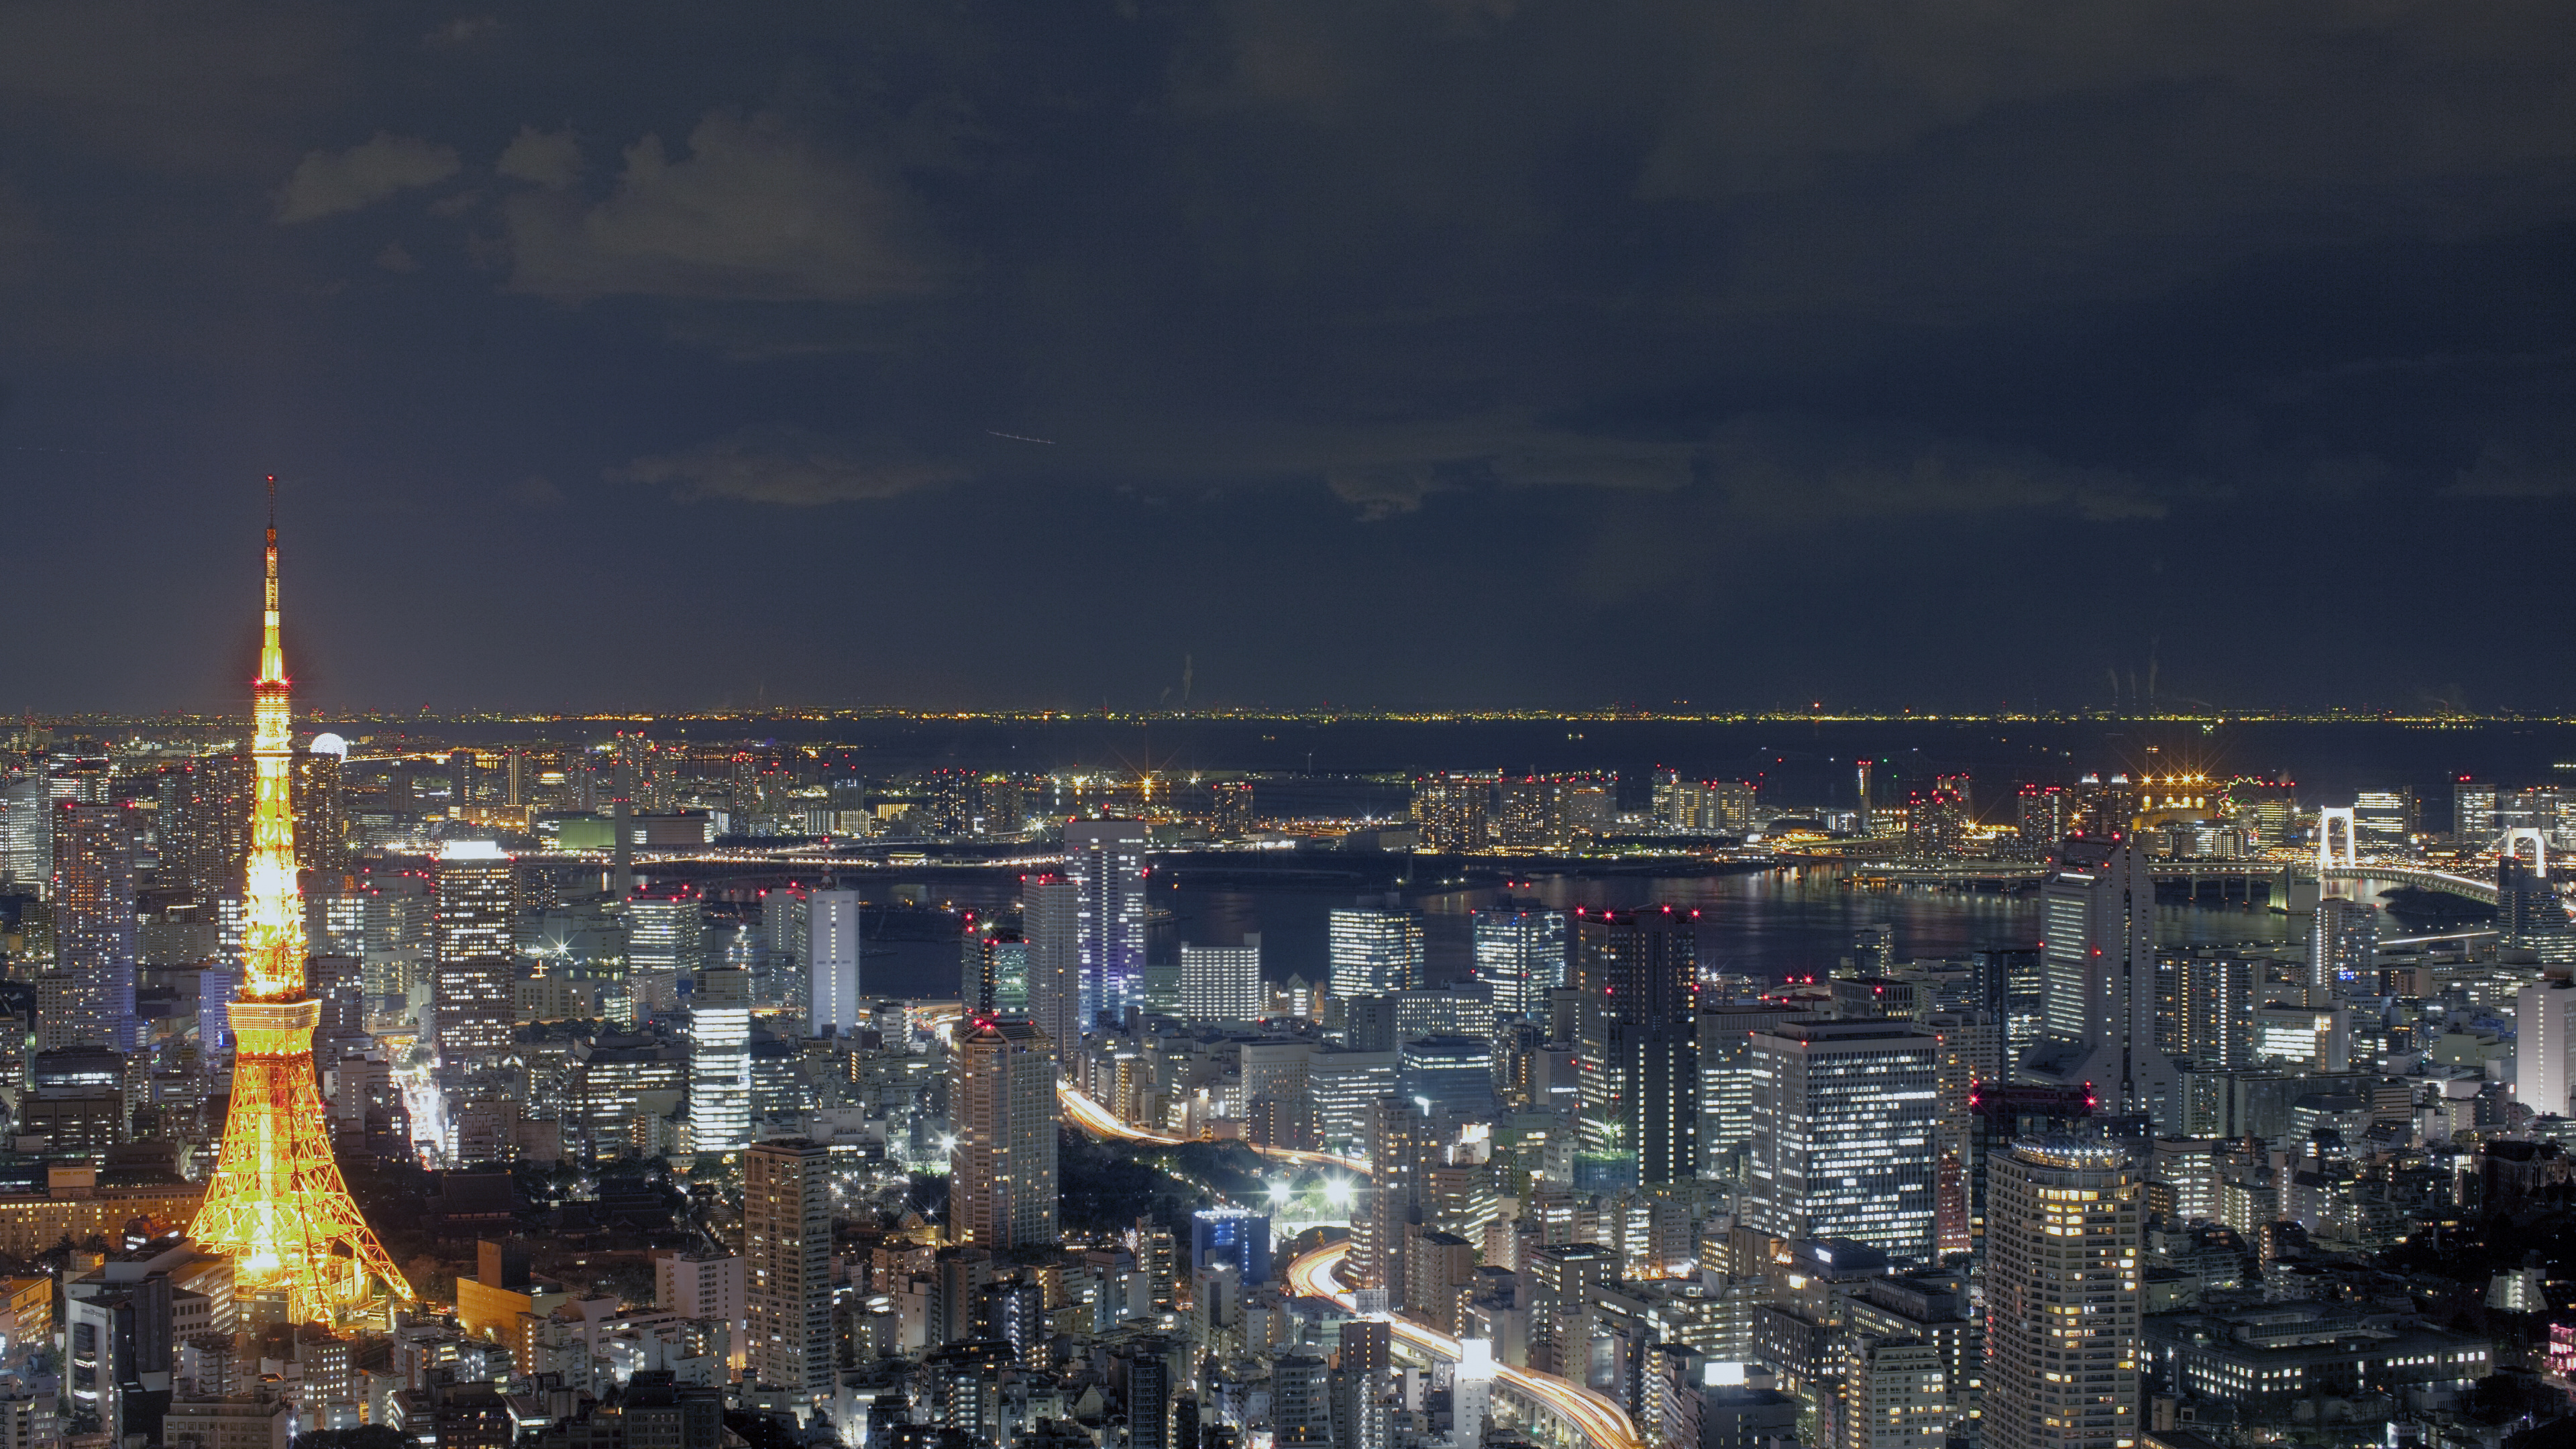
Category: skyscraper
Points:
column 1051, row 917
column 1520, row 953
column 472, row 994
column 1374, row 951
column 720, row 1061
column 2063, row 1227
column 95, row 929
column 1105, row 860
column 2341, row 945
column 666, row 944
column 1002, row 1172
column 787, row 1264
column 831, row 961
column 1636, row 975
column 2544, row 1021
column 1222, row 983
column 2097, row 919
column 1844, row 1115
column 27, row 831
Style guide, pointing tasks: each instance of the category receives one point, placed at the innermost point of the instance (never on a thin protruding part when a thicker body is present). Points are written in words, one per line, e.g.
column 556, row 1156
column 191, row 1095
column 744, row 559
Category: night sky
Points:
column 1378, row 352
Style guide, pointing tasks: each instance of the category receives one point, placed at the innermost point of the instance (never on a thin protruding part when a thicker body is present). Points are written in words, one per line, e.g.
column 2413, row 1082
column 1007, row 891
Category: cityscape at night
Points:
column 1287, row 724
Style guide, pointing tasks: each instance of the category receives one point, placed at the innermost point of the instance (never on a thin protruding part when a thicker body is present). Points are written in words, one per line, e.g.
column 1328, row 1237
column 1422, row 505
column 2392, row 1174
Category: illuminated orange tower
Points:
column 277, row 1205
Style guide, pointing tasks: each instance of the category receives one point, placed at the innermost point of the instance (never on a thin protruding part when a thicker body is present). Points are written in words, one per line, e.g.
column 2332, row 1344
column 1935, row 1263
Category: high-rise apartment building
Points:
column 2097, row 923
column 1051, row 918
column 720, row 1061
column 96, row 932
column 1520, row 955
column 321, row 808
column 1105, row 860
column 1002, row 1106
column 474, row 972
column 1223, row 983
column 1374, row 950
column 205, row 833
column 2342, row 945
column 2064, row 1223
column 1844, row 1119
column 787, row 1264
column 831, row 961
column 1452, row 812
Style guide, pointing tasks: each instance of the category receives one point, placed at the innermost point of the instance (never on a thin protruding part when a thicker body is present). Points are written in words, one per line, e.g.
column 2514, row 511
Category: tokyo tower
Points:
column 277, row 1205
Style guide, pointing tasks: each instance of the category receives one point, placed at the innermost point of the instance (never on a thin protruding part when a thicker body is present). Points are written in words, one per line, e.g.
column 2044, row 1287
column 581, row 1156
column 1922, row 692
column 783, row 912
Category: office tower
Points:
column 720, row 1061
column 2206, row 1016
column 2341, row 945
column 1105, row 860
column 1402, row 1143
column 1342, row 1088
column 321, row 807
column 2473, row 814
column 275, row 1203
column 1234, row 1237
column 26, row 832
column 831, row 961
column 2544, row 1021
column 2383, row 820
column 1223, row 983
column 1636, row 982
column 95, row 929
column 2062, row 1328
column 1562, row 1280
column 460, row 784
column 1520, row 955
column 2097, row 916
column 787, row 1264
column 1374, row 951
column 1051, row 917
column 473, row 1002
column 1453, row 1074
column 1896, row 1395
column 666, row 943
column 1002, row 1107
column 1844, row 1114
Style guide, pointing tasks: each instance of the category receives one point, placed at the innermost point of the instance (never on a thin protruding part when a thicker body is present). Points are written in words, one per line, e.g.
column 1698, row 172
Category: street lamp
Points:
column 1279, row 1192
column 1338, row 1192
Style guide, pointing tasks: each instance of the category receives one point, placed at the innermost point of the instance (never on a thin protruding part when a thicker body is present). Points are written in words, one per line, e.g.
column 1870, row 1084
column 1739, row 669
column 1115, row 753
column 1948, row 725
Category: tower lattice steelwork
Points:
column 277, row 1205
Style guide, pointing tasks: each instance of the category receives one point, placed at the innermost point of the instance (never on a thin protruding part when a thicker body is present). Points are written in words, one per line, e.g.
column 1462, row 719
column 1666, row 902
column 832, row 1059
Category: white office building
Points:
column 1843, row 1116
column 1222, row 983
column 2544, row 1025
column 1105, row 860
column 831, row 961
column 720, row 1061
column 1520, row 956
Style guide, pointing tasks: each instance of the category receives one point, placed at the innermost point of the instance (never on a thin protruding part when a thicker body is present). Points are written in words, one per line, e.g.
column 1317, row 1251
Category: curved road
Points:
column 1604, row 1423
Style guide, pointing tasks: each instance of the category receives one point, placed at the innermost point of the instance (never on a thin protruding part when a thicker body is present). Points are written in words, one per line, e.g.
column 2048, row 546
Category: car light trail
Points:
column 1604, row 1423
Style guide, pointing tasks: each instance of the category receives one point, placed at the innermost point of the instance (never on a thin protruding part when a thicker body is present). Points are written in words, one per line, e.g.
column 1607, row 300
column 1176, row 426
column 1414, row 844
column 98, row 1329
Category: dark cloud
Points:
column 785, row 466
column 1451, row 350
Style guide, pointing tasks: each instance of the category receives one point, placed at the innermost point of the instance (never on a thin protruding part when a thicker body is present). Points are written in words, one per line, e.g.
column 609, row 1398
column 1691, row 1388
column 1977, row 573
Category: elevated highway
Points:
column 1579, row 1411
column 1601, row 1423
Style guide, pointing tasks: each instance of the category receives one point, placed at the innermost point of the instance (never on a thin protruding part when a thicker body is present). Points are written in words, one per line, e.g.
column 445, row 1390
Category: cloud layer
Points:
column 1581, row 339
